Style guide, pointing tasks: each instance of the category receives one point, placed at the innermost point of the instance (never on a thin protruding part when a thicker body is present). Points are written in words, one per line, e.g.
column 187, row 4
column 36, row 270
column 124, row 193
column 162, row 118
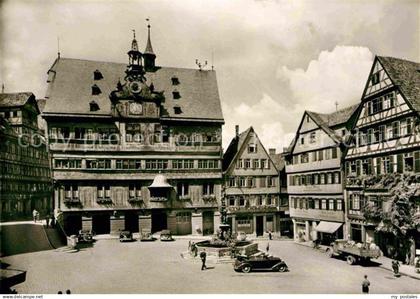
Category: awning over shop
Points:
column 328, row 227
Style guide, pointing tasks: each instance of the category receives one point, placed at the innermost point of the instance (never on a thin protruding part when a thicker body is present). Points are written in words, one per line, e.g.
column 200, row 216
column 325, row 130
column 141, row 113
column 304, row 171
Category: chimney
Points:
column 237, row 130
column 272, row 151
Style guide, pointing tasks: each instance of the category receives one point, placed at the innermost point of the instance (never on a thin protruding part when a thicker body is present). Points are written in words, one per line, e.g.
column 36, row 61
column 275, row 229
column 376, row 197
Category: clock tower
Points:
column 135, row 98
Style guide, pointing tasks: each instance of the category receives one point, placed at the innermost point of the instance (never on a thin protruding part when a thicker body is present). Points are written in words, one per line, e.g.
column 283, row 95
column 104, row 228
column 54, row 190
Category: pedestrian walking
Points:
column 194, row 249
column 396, row 268
column 268, row 247
column 203, row 256
column 34, row 214
column 189, row 246
column 365, row 285
column 47, row 220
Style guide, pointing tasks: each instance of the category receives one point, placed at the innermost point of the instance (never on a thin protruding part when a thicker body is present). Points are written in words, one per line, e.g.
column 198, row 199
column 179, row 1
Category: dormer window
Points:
column 175, row 80
column 97, row 75
column 176, row 95
column 177, row 110
column 93, row 106
column 96, row 90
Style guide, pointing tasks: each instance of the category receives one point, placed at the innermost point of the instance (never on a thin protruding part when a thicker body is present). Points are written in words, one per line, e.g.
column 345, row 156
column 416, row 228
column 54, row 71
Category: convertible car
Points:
column 259, row 262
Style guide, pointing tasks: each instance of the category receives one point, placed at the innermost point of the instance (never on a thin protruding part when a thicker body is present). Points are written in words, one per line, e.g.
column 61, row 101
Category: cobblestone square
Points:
column 157, row 267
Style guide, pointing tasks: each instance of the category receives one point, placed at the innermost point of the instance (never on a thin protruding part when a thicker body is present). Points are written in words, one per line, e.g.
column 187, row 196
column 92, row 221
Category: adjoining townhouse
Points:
column 314, row 175
column 252, row 188
column 386, row 148
column 25, row 177
column 134, row 147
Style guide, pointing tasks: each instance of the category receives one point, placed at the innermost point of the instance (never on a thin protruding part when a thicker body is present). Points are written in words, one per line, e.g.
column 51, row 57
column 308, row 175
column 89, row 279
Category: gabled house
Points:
column 314, row 175
column 25, row 177
column 386, row 149
column 252, row 187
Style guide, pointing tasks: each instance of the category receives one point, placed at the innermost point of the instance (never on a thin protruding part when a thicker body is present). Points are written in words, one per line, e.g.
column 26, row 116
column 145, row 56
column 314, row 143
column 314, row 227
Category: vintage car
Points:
column 146, row 236
column 166, row 235
column 126, row 236
column 260, row 261
column 85, row 236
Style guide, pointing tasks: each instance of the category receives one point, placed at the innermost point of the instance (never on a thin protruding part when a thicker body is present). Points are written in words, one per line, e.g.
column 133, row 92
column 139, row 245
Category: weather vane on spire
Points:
column 148, row 22
column 134, row 33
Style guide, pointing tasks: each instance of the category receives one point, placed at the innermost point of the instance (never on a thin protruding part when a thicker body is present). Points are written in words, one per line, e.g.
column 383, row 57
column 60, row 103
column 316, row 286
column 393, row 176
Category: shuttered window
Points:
column 417, row 161
column 400, row 168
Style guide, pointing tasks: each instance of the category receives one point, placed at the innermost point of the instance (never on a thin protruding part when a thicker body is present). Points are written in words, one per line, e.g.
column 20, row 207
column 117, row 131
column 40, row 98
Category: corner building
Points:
column 386, row 148
column 135, row 147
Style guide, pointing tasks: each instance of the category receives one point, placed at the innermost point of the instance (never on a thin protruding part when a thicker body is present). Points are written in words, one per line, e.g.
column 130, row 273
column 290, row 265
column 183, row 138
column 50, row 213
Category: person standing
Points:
column 203, row 256
column 47, row 220
column 365, row 285
column 35, row 214
column 270, row 236
column 396, row 268
column 268, row 247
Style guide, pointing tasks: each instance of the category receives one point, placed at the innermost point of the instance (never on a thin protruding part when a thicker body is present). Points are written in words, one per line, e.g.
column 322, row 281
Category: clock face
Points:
column 136, row 108
column 135, row 87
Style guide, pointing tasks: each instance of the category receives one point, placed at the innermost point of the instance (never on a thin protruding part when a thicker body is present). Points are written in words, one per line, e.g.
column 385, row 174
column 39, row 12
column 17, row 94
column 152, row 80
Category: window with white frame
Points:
column 247, row 163
column 408, row 162
column 323, row 204
column 208, row 189
column 331, row 204
column 242, row 182
column 256, row 163
column 232, row 182
column 182, row 189
column 231, row 201
column 339, row 205
column 316, row 204
column 252, row 148
column 250, row 182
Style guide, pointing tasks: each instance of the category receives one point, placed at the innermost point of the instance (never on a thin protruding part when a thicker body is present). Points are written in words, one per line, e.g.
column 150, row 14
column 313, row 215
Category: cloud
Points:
column 266, row 116
column 336, row 76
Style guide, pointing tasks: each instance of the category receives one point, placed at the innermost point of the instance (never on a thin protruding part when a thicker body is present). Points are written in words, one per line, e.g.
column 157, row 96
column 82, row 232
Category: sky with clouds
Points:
column 274, row 59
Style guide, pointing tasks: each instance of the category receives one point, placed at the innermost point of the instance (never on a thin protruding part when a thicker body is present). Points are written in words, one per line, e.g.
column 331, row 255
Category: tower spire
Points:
column 149, row 48
column 148, row 55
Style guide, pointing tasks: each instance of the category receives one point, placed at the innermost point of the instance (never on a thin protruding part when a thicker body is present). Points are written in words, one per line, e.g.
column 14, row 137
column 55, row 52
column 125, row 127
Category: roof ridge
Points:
column 122, row 63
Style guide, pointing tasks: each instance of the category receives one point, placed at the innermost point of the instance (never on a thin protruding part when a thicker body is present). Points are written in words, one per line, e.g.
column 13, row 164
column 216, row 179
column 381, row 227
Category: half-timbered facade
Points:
column 386, row 143
column 134, row 147
column 252, row 187
column 314, row 175
column 25, row 177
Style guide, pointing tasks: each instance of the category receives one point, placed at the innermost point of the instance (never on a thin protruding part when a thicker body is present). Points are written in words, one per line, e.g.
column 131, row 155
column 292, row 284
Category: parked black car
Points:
column 126, row 236
column 259, row 262
column 85, row 236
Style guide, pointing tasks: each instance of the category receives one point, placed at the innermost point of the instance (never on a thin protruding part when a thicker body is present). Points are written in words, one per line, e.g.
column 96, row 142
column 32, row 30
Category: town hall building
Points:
column 135, row 147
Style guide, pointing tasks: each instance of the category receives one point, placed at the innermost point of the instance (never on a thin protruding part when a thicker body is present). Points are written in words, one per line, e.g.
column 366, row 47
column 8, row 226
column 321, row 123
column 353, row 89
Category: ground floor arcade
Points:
column 260, row 224
column 179, row 222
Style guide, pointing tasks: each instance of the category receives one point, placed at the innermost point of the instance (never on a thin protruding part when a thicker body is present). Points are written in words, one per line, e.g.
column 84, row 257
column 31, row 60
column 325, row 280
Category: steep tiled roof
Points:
column 406, row 75
column 278, row 160
column 16, row 99
column 233, row 148
column 337, row 118
column 71, row 80
column 327, row 122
